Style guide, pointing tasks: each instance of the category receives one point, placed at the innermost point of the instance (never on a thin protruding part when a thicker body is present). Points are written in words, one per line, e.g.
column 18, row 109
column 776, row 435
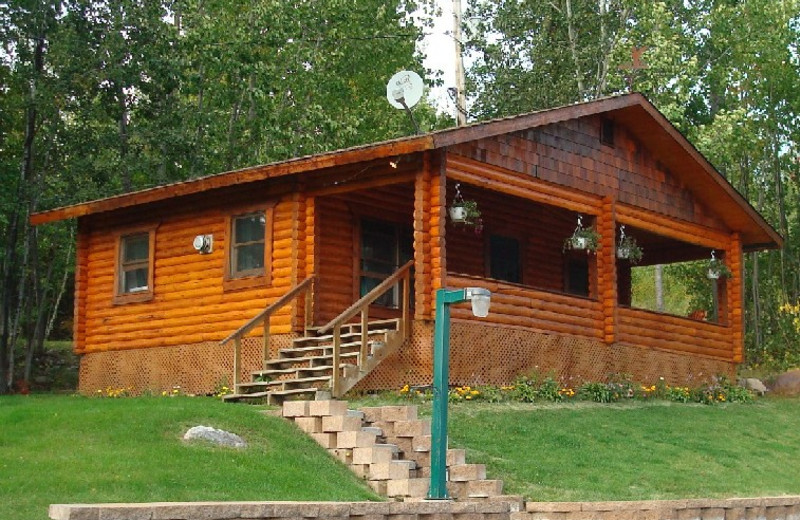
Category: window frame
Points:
column 147, row 294
column 252, row 278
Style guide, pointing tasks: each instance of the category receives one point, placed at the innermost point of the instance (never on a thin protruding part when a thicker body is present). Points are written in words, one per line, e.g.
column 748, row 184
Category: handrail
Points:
column 362, row 306
column 263, row 317
column 367, row 299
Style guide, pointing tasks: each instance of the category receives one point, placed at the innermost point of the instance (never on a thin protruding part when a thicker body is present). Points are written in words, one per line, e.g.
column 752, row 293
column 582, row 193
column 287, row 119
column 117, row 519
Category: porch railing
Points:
column 263, row 317
column 362, row 306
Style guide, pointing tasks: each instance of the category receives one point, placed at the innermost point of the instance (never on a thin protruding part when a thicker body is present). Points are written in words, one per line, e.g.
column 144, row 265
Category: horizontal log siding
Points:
column 570, row 154
column 336, row 283
column 540, row 230
column 189, row 304
column 543, row 311
column 667, row 332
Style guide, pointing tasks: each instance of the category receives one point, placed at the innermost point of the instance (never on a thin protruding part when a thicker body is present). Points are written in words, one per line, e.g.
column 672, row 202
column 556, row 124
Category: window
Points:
column 504, row 259
column 607, row 132
column 247, row 245
column 249, row 249
column 577, row 275
column 134, row 273
column 385, row 247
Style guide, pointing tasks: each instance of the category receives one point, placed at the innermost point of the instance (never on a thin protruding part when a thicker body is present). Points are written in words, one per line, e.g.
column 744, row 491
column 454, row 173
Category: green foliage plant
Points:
column 582, row 238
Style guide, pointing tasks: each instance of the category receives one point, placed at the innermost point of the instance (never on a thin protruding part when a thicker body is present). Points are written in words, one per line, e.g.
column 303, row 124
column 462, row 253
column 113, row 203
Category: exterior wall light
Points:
column 480, row 299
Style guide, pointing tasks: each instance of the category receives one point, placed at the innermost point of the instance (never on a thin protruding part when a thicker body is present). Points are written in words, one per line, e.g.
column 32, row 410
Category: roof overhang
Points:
column 634, row 111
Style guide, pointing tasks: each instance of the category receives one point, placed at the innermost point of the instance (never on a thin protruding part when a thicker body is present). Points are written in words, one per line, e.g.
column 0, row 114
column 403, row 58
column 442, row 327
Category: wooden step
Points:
column 355, row 327
column 320, row 350
column 284, row 384
column 311, row 361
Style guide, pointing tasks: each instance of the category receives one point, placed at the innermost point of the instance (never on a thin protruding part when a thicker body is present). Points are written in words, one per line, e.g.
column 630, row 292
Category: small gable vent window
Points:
column 134, row 274
column 607, row 132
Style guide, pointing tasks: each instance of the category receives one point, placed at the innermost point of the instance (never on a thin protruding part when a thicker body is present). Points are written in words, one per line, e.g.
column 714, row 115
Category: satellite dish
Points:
column 404, row 89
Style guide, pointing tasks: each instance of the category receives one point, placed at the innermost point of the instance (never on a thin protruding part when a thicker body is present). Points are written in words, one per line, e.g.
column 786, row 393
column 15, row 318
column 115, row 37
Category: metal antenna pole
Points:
column 461, row 95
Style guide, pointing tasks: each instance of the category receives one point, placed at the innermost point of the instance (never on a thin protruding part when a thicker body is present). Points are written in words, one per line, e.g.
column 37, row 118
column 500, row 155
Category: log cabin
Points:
column 322, row 271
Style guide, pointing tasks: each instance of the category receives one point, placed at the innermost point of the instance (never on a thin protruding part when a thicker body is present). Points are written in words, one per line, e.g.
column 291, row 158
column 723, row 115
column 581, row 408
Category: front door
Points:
column 385, row 247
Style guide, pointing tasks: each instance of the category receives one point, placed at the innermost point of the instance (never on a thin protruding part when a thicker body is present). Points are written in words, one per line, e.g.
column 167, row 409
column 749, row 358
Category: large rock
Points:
column 215, row 436
column 787, row 383
column 754, row 384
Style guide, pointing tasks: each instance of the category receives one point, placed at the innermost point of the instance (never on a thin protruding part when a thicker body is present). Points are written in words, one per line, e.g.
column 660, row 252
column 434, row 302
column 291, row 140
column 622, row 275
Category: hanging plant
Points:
column 582, row 238
column 465, row 211
column 717, row 268
column 627, row 248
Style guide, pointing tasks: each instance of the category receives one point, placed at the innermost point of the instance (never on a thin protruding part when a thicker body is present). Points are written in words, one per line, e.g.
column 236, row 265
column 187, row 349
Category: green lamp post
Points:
column 481, row 299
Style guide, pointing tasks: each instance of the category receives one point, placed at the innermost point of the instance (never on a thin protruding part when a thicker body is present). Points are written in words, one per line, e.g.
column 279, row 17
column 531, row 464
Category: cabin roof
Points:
column 632, row 111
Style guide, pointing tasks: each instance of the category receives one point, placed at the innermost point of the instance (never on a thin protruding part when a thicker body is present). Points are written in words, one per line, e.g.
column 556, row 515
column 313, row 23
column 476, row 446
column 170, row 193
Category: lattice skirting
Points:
column 200, row 368
column 479, row 354
column 487, row 354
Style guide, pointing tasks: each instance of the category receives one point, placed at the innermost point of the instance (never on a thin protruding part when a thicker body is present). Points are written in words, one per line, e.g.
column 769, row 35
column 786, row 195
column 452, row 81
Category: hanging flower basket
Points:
column 583, row 239
column 717, row 268
column 627, row 248
column 465, row 211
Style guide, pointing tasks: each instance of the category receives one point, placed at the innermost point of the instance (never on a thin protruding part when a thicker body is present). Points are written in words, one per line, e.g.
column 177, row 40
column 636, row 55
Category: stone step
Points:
column 355, row 439
column 411, row 487
column 414, row 428
column 474, row 489
column 466, row 472
column 340, row 423
column 378, row 453
column 393, row 470
column 390, row 413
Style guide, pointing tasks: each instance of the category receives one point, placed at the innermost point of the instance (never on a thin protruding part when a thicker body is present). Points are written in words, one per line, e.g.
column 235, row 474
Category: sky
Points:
column 439, row 47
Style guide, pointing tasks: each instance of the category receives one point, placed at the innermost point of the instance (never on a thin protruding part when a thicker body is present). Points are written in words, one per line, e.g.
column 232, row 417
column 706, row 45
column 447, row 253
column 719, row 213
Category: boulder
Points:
column 215, row 436
column 787, row 383
column 753, row 384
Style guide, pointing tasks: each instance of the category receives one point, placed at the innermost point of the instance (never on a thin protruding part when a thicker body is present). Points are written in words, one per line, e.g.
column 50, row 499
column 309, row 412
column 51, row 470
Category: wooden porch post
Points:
column 606, row 269
column 429, row 249
column 735, row 296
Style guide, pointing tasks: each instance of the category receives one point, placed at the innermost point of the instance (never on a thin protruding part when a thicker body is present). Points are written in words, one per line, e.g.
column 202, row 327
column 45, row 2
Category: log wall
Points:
column 189, row 303
column 517, row 306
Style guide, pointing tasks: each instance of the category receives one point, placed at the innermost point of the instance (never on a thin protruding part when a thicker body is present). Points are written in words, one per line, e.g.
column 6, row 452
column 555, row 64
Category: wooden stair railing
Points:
column 362, row 306
column 263, row 317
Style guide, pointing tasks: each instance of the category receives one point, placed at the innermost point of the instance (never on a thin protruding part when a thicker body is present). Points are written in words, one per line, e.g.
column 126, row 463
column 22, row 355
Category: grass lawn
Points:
column 67, row 449
column 635, row 450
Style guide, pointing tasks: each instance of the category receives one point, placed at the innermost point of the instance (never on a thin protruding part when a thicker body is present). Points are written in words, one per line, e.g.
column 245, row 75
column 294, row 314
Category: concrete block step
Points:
column 392, row 470
column 413, row 428
column 375, row 454
column 475, row 489
column 340, row 423
column 466, row 472
column 356, row 439
column 390, row 413
column 412, row 487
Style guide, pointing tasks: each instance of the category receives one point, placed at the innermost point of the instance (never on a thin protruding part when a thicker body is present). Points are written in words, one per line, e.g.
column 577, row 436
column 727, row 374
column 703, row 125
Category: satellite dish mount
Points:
column 403, row 91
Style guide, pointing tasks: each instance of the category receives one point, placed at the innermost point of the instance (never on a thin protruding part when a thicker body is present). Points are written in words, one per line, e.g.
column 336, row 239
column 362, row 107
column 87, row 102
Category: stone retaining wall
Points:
column 778, row 508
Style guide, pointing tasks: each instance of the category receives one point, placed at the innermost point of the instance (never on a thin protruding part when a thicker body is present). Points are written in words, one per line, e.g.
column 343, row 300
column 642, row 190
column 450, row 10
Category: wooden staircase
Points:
column 307, row 367
column 335, row 356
